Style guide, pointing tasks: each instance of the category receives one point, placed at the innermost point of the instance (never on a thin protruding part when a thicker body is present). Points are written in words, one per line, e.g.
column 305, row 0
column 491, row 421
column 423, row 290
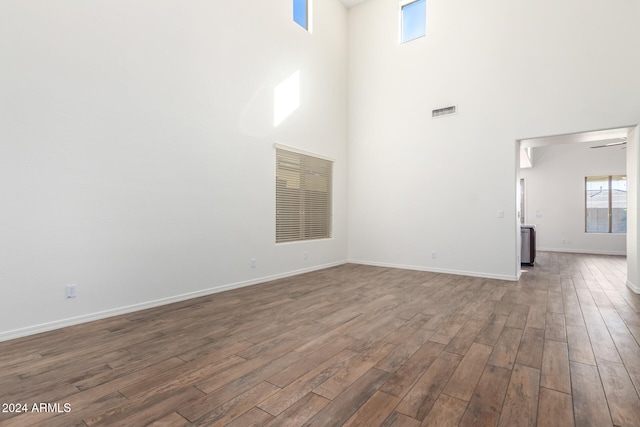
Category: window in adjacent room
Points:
column 303, row 196
column 413, row 20
column 301, row 13
column 606, row 204
column 522, row 201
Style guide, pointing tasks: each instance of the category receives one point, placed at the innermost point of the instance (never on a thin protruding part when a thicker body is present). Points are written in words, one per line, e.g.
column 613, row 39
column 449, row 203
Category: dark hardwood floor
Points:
column 351, row 345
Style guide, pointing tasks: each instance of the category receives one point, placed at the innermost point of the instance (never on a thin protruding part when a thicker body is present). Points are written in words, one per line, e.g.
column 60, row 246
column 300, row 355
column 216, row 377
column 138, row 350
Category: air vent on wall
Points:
column 444, row 111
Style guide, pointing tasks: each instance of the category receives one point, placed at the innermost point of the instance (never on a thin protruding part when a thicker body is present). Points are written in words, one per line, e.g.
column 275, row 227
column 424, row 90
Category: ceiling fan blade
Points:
column 611, row 144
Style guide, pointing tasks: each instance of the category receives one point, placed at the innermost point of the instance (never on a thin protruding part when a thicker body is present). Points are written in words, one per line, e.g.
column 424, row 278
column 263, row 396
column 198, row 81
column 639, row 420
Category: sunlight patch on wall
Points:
column 286, row 98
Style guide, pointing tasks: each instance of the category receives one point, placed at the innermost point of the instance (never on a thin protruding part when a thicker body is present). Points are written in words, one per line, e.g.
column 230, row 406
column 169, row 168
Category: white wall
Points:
column 633, row 186
column 516, row 70
column 554, row 196
column 136, row 149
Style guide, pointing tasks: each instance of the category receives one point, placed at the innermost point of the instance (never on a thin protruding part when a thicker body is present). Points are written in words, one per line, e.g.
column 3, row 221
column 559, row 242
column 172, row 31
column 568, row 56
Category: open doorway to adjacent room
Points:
column 556, row 191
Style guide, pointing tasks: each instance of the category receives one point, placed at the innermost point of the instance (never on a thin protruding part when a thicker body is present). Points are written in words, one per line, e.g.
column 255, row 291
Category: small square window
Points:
column 413, row 20
column 301, row 13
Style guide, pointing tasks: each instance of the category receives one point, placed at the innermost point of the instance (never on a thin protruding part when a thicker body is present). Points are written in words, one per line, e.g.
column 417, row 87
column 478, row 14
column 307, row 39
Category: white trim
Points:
column 306, row 153
column 437, row 270
column 57, row 324
column 635, row 289
column 293, row 242
column 583, row 251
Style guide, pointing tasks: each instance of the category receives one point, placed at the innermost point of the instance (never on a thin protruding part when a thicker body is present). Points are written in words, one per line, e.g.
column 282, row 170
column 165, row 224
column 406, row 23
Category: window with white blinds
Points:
column 303, row 196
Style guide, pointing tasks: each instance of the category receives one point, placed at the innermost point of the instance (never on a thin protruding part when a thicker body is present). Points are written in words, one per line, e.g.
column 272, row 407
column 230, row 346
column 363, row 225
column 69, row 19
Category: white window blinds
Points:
column 303, row 196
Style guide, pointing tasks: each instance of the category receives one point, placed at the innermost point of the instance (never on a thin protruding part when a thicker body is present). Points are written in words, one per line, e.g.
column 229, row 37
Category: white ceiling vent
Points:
column 447, row 111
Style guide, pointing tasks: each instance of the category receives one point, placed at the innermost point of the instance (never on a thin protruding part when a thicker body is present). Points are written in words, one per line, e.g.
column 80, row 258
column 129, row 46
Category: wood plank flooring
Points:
column 352, row 345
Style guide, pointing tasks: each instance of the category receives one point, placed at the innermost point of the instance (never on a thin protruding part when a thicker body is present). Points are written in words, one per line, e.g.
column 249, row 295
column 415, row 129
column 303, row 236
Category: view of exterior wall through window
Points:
column 606, row 204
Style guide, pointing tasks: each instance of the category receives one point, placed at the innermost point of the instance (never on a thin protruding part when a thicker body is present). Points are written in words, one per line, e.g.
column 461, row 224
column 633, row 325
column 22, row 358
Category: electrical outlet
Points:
column 71, row 291
column 434, row 255
column 306, row 255
column 253, row 263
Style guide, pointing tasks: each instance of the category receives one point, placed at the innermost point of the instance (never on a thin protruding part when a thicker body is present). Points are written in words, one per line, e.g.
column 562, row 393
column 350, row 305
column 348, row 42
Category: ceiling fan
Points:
column 612, row 143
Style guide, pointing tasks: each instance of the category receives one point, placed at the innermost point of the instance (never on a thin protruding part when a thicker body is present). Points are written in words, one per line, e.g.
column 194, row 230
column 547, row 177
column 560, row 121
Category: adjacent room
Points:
column 565, row 182
column 308, row 212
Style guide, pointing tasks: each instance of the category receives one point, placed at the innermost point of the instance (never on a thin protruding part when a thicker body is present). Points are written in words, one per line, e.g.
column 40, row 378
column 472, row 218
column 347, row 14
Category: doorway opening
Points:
column 554, row 169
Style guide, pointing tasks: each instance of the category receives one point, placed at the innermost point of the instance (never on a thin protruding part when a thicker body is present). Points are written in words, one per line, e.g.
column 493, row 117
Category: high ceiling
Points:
column 351, row 3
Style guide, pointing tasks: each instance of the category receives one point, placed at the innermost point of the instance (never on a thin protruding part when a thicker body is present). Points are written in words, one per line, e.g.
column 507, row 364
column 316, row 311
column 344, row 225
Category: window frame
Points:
column 313, row 219
column 609, row 179
column 402, row 5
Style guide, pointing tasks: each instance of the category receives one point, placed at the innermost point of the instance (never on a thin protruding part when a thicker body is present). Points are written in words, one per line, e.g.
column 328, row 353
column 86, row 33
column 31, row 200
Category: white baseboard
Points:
column 634, row 288
column 57, row 324
column 438, row 270
column 582, row 251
